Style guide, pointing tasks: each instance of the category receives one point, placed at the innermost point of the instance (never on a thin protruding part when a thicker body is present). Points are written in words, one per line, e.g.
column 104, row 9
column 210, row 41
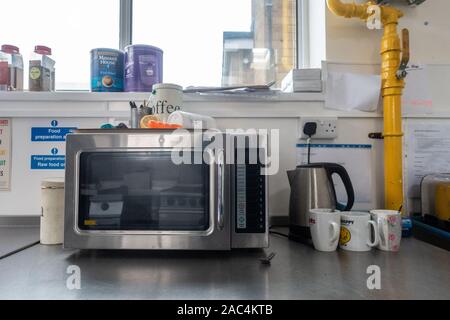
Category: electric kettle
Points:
column 312, row 187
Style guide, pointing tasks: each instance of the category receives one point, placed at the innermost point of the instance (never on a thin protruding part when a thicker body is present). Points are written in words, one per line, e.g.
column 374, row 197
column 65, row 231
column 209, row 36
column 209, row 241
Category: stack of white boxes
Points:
column 302, row 80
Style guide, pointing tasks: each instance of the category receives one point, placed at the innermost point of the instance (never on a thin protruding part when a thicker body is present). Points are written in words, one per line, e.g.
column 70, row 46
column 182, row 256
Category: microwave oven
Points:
column 165, row 190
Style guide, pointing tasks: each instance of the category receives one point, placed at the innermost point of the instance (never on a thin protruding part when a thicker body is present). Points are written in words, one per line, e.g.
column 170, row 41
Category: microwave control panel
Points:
column 250, row 204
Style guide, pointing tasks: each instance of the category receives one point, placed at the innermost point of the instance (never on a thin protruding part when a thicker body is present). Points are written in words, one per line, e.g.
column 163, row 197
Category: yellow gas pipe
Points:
column 392, row 89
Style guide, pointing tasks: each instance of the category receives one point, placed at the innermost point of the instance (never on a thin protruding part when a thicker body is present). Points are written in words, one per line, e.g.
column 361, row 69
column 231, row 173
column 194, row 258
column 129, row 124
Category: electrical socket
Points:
column 327, row 127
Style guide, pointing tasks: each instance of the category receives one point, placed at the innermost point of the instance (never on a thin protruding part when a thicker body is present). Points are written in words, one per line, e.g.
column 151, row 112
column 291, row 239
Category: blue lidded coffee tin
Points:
column 107, row 66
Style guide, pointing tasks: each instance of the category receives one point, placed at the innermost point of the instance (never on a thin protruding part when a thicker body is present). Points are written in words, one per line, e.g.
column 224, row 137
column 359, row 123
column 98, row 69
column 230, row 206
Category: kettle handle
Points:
column 343, row 174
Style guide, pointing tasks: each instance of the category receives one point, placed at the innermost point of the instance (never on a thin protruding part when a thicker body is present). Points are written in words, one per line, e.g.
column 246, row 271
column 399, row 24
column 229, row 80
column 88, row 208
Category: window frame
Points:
column 125, row 23
column 302, row 43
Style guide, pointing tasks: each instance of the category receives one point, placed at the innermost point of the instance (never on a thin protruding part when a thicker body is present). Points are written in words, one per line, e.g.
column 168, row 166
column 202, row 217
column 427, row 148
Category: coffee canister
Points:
column 52, row 217
column 107, row 66
column 143, row 67
column 165, row 99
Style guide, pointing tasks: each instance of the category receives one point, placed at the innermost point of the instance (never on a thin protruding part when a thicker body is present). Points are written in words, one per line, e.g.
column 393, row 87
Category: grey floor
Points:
column 419, row 271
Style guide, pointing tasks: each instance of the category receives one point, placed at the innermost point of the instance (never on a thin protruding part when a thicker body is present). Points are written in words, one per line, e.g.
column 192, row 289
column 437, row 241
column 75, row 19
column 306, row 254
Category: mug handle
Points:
column 336, row 231
column 381, row 232
column 376, row 235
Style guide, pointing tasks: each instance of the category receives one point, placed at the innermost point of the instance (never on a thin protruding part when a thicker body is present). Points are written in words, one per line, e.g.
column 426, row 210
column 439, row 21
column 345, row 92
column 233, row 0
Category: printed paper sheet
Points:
column 428, row 152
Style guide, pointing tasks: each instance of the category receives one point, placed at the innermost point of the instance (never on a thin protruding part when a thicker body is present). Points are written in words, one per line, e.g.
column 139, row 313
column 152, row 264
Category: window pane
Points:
column 70, row 28
column 219, row 42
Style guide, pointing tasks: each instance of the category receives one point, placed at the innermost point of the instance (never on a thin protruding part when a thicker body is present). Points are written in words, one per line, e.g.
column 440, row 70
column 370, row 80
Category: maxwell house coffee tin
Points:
column 107, row 67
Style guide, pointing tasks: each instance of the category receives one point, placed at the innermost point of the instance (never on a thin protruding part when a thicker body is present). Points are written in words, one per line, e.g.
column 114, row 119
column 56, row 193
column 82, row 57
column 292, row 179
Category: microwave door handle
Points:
column 220, row 189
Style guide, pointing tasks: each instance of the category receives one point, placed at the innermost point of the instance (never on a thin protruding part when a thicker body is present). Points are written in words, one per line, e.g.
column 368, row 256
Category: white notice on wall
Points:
column 428, row 153
column 355, row 158
column 352, row 91
column 416, row 97
column 5, row 154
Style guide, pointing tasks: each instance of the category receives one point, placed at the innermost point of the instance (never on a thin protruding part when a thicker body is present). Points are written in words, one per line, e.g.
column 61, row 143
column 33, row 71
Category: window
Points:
column 70, row 28
column 205, row 42
column 219, row 42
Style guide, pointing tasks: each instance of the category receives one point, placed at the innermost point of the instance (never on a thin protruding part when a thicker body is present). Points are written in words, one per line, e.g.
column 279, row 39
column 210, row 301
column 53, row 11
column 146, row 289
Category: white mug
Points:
column 356, row 232
column 389, row 224
column 325, row 225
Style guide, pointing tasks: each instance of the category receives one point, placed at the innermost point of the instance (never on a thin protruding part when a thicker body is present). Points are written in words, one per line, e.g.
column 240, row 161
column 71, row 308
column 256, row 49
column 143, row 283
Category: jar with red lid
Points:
column 42, row 70
column 15, row 67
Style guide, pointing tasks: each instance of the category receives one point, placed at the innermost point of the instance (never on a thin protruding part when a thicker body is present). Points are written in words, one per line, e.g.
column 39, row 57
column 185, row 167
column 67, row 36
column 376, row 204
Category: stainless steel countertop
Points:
column 16, row 238
column 17, row 233
column 419, row 271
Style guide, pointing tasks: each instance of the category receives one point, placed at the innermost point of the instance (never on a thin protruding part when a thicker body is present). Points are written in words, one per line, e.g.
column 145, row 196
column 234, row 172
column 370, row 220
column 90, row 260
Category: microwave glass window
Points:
column 142, row 191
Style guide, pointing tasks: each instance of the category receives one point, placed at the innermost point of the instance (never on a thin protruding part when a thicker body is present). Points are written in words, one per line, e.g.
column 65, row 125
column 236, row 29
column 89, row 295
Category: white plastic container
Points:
column 166, row 98
column 192, row 120
column 52, row 218
column 4, row 72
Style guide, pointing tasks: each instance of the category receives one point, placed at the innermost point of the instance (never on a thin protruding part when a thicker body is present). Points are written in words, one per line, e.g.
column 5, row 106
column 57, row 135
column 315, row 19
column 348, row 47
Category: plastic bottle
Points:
column 15, row 67
column 42, row 70
column 4, row 75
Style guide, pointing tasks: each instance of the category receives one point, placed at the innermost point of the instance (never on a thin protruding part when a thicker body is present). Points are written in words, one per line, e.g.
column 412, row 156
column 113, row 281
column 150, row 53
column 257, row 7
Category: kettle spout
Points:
column 291, row 176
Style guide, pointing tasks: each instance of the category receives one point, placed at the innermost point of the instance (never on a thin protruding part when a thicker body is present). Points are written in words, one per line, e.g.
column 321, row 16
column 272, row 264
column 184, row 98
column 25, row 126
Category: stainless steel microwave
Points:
column 124, row 190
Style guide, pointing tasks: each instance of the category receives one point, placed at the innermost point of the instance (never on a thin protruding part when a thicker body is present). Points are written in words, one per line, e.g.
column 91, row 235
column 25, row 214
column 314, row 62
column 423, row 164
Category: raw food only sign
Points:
column 54, row 161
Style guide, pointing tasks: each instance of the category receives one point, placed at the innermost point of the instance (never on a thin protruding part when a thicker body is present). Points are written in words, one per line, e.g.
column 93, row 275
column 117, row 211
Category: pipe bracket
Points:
column 376, row 135
column 393, row 135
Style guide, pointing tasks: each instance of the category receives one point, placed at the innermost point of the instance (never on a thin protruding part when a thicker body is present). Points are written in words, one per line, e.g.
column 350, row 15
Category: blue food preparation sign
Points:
column 51, row 134
column 48, row 162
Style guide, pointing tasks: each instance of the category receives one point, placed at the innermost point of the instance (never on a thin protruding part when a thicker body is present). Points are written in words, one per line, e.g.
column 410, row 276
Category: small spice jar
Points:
column 42, row 70
column 15, row 67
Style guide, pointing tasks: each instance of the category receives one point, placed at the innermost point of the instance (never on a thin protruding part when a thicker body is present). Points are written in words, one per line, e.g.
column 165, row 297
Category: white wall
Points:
column 351, row 130
column 348, row 40
column 79, row 111
column 24, row 196
column 265, row 114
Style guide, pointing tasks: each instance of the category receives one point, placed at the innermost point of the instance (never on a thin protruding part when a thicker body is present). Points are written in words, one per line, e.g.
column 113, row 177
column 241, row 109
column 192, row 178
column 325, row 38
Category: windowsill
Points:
column 85, row 96
column 115, row 104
